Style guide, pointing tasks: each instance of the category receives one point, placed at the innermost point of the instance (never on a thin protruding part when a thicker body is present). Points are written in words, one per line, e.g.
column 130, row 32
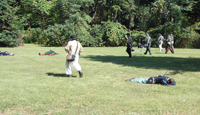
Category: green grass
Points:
column 32, row 84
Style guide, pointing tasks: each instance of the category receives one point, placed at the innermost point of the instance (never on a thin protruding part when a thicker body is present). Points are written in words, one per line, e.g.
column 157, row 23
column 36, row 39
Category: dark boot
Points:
column 80, row 74
column 69, row 76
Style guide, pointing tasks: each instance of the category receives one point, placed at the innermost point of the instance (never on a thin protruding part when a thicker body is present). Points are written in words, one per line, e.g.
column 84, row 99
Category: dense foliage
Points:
column 99, row 22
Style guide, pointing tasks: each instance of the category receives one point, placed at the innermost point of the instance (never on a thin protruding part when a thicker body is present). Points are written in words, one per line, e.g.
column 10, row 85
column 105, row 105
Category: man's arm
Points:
column 67, row 47
column 81, row 48
column 165, row 83
column 158, row 39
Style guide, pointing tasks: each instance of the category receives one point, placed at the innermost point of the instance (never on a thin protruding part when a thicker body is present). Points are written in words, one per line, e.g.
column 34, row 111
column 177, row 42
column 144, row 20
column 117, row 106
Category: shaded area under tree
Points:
column 176, row 64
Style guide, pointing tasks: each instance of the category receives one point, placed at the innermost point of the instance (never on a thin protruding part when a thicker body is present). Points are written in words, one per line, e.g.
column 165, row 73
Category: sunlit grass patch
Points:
column 33, row 84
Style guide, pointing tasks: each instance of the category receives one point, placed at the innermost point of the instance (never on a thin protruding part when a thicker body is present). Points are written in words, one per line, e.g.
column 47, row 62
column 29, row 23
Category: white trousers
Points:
column 160, row 45
column 74, row 63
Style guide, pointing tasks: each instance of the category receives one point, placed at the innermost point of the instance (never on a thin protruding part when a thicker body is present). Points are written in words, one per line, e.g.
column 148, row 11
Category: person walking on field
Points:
column 129, row 45
column 160, row 41
column 148, row 41
column 172, row 41
column 72, row 47
column 168, row 46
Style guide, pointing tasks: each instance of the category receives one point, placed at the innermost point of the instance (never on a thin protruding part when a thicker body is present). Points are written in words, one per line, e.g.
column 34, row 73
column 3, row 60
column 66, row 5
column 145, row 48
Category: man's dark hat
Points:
column 73, row 37
column 127, row 34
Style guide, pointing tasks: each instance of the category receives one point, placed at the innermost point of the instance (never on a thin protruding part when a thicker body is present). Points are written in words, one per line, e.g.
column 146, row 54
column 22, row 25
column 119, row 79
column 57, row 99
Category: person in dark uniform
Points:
column 129, row 45
column 148, row 41
column 6, row 53
column 163, row 80
column 168, row 46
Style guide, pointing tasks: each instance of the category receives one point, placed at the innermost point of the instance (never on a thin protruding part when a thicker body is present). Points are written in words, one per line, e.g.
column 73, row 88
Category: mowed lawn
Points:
column 35, row 85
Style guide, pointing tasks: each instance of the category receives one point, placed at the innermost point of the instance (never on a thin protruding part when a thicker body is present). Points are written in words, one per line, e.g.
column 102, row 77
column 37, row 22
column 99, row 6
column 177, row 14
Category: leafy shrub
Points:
column 114, row 34
column 88, row 37
column 29, row 39
column 8, row 38
column 138, row 36
column 48, row 38
column 10, row 24
column 96, row 36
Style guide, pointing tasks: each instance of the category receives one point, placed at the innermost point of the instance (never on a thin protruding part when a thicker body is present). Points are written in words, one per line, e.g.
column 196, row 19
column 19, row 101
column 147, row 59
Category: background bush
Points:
column 99, row 23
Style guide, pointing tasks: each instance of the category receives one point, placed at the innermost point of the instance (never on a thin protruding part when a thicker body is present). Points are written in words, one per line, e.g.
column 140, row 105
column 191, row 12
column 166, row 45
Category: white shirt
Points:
column 160, row 38
column 71, row 47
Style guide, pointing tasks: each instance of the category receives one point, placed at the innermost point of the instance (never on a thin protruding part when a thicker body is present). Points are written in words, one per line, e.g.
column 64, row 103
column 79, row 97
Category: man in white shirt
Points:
column 73, row 47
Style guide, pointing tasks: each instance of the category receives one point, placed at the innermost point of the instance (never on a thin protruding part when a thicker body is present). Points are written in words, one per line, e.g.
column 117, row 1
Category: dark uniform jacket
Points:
column 158, row 80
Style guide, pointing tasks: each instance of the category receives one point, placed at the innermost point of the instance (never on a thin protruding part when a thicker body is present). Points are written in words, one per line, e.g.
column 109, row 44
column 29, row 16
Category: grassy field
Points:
column 35, row 85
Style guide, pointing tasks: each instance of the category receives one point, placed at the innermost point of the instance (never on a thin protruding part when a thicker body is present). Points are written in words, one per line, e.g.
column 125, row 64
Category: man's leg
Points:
column 68, row 70
column 160, row 46
column 170, row 48
column 149, row 49
column 42, row 54
column 46, row 53
column 139, row 80
column 77, row 66
column 167, row 48
column 146, row 50
column 49, row 52
column 173, row 47
column 52, row 54
column 128, row 50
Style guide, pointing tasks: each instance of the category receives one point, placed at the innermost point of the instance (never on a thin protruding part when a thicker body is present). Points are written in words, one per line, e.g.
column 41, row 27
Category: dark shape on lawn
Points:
column 6, row 53
column 58, row 74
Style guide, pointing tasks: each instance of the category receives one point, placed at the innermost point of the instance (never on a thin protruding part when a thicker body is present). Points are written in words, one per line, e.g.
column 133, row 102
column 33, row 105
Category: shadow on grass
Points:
column 150, row 62
column 58, row 75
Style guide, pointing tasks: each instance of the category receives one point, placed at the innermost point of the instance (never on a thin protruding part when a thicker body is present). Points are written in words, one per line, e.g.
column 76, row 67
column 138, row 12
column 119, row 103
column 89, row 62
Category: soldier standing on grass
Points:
column 71, row 48
column 168, row 46
column 160, row 41
column 172, row 41
column 148, row 41
column 129, row 45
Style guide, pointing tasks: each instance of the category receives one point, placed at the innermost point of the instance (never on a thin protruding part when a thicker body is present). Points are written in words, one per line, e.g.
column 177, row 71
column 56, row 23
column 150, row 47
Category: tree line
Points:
column 98, row 22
